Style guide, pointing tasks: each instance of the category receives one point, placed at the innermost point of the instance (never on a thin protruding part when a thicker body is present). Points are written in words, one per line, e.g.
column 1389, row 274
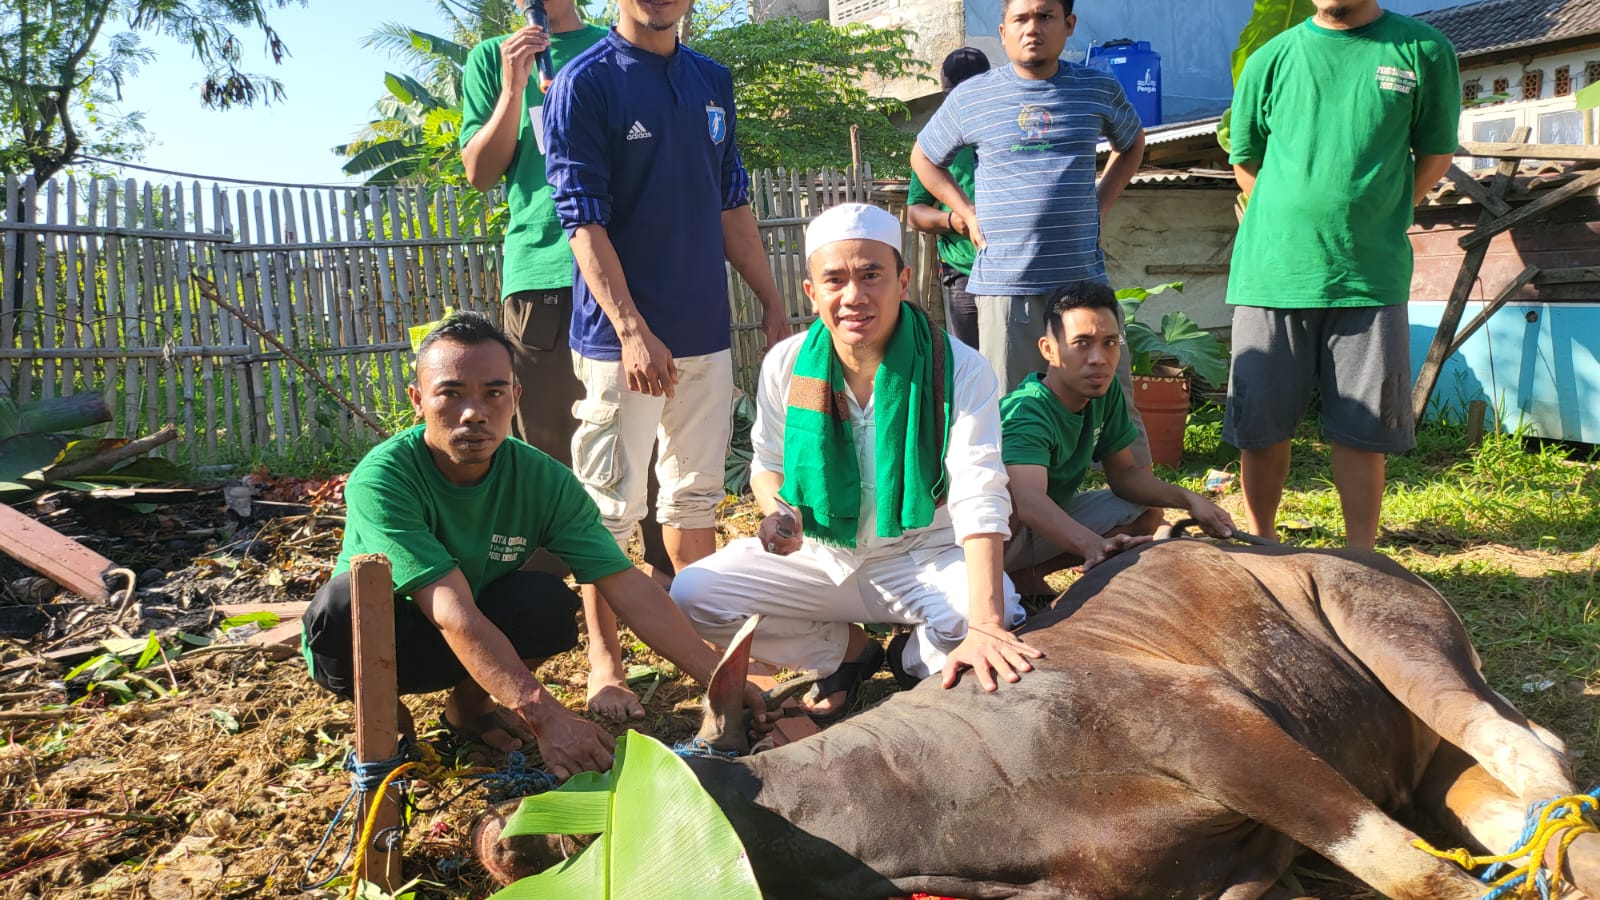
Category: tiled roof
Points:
column 1490, row 25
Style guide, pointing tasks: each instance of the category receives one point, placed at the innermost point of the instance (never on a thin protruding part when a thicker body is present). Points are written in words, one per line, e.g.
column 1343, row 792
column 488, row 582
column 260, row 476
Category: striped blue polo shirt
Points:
column 1036, row 163
column 643, row 145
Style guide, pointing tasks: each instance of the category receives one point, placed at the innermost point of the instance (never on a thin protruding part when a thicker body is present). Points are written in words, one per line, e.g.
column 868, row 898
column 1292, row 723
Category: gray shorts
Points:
column 1099, row 511
column 1357, row 358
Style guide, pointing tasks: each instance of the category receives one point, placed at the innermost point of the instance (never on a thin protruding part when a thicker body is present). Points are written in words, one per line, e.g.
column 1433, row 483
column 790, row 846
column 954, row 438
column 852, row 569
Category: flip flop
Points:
column 848, row 678
column 897, row 663
column 480, row 726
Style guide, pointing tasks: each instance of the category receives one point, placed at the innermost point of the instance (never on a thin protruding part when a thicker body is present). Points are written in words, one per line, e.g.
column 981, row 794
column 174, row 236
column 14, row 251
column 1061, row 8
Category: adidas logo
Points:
column 638, row 132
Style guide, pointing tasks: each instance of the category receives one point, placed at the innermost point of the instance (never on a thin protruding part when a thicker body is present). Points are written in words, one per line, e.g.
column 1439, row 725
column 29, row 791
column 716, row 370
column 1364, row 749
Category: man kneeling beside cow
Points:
column 1180, row 723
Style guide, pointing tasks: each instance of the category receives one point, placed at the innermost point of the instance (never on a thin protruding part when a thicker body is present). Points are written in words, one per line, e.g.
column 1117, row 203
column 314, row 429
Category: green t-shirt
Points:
column 1037, row 430
column 536, row 253
column 1333, row 118
column 954, row 248
column 399, row 504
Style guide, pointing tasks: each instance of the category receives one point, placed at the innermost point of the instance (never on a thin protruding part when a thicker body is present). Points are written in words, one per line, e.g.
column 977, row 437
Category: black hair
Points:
column 1066, row 7
column 1080, row 295
column 469, row 328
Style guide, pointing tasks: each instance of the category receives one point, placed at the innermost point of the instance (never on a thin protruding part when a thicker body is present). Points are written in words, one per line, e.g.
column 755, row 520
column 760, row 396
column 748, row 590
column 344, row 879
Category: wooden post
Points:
column 1475, row 414
column 377, row 707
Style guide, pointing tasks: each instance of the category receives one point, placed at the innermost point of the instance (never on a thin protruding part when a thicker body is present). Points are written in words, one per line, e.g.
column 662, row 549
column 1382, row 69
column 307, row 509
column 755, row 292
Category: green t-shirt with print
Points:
column 955, row 249
column 537, row 256
column 399, row 504
column 1333, row 118
column 1036, row 429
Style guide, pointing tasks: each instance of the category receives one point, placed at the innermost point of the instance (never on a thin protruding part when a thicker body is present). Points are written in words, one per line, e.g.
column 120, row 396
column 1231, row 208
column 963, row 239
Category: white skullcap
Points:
column 852, row 220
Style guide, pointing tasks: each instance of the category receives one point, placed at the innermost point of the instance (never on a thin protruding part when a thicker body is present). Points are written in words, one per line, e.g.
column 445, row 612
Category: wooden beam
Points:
column 1188, row 269
column 377, row 697
column 1521, row 149
column 55, row 556
column 1509, row 291
column 1576, row 275
column 1547, row 201
column 1470, row 186
column 1466, row 278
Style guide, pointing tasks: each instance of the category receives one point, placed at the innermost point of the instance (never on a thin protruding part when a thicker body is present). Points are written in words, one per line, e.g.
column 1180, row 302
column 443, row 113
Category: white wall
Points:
column 1554, row 120
column 1173, row 226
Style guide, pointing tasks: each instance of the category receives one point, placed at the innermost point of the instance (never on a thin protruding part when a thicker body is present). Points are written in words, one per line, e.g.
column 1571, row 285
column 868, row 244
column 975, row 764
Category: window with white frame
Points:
column 1552, row 121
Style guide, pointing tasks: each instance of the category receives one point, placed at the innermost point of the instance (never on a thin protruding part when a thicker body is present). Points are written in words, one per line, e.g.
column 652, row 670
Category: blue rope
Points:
column 1530, row 825
column 364, row 778
column 700, row 747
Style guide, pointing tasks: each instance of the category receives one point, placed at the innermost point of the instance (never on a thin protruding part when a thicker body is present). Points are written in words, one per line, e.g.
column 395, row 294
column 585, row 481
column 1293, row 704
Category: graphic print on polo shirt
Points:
column 638, row 132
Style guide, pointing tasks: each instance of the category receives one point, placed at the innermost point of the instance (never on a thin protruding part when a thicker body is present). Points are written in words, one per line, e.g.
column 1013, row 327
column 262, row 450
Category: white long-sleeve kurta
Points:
column 977, row 502
column 808, row 598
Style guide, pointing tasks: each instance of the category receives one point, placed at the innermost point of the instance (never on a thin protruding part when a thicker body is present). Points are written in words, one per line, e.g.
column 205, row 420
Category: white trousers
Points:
column 806, row 615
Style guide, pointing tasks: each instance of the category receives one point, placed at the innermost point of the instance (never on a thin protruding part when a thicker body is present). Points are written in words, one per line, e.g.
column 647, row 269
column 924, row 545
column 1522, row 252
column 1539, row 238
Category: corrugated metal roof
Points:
column 1206, row 177
column 1166, row 133
column 1491, row 25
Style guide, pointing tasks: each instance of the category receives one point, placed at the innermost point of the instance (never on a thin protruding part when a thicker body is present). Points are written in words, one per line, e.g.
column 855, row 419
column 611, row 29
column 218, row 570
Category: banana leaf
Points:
column 1269, row 19
column 661, row 836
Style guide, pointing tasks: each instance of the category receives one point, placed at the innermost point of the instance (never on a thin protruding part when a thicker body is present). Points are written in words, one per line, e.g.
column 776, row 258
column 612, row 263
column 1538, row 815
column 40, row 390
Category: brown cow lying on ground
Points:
column 1201, row 714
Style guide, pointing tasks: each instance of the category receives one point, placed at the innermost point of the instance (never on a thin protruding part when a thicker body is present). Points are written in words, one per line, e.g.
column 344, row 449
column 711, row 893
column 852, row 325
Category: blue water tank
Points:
column 1138, row 68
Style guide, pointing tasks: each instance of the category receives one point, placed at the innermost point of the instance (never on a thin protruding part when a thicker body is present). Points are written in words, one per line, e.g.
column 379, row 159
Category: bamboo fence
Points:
column 158, row 297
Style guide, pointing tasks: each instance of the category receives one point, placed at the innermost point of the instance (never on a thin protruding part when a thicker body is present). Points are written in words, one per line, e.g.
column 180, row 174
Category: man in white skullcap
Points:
column 877, row 464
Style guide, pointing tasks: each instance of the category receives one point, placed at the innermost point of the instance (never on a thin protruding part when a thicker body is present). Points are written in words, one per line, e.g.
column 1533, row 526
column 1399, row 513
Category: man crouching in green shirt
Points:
column 458, row 508
column 1055, row 424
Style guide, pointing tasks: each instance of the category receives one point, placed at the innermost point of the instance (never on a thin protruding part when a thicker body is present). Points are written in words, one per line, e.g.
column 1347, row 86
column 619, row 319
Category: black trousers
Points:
column 537, row 611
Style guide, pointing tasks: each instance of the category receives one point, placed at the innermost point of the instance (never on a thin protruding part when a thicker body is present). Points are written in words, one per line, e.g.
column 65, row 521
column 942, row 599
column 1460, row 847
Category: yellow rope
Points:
column 429, row 766
column 1562, row 814
column 371, row 822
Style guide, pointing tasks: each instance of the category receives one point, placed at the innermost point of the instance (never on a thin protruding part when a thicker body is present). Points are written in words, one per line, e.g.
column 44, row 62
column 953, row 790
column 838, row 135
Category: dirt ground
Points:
column 225, row 787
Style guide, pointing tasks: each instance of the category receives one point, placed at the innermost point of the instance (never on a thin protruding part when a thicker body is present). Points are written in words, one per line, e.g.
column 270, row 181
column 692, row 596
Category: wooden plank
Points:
column 54, row 555
column 152, row 322
column 232, row 396
column 1519, row 150
column 121, row 272
column 50, row 318
column 266, row 312
column 9, row 301
column 175, row 372
column 248, row 297
column 377, row 702
column 1188, row 269
column 1510, row 291
column 198, row 325
column 1476, row 411
column 1466, row 279
column 280, row 285
column 292, row 609
column 1471, row 187
column 1576, row 275
column 95, row 300
column 112, row 231
column 1547, row 201
column 27, row 311
column 72, row 311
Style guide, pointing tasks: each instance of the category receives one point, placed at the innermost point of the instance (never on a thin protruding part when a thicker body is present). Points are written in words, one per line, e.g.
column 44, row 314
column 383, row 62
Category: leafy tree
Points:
column 62, row 62
column 801, row 85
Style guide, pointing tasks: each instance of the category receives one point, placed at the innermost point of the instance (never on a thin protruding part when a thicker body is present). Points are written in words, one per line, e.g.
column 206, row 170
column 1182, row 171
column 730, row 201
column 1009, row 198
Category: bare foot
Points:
column 611, row 697
column 487, row 722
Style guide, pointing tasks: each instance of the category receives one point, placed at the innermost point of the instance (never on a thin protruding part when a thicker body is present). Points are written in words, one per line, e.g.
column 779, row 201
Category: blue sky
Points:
column 331, row 82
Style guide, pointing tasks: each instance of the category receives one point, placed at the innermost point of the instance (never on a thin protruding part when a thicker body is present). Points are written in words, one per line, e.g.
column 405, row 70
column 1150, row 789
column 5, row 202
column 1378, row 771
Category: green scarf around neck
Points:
column 912, row 401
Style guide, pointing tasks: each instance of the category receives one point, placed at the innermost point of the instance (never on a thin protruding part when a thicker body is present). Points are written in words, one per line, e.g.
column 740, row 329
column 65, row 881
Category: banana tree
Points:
column 1269, row 19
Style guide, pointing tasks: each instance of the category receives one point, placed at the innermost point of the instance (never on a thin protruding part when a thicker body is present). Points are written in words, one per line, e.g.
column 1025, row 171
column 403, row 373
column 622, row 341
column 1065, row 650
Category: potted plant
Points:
column 1163, row 360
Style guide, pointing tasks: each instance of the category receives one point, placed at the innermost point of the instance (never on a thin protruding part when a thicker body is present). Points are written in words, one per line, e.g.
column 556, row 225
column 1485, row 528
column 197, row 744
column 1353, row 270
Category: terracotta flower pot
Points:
column 1163, row 402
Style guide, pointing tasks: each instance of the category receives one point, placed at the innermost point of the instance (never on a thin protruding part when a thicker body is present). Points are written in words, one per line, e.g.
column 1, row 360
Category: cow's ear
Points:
column 723, row 726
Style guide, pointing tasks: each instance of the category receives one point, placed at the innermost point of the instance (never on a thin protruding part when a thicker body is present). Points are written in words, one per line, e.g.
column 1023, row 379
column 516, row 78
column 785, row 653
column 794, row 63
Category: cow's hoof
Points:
column 511, row 859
